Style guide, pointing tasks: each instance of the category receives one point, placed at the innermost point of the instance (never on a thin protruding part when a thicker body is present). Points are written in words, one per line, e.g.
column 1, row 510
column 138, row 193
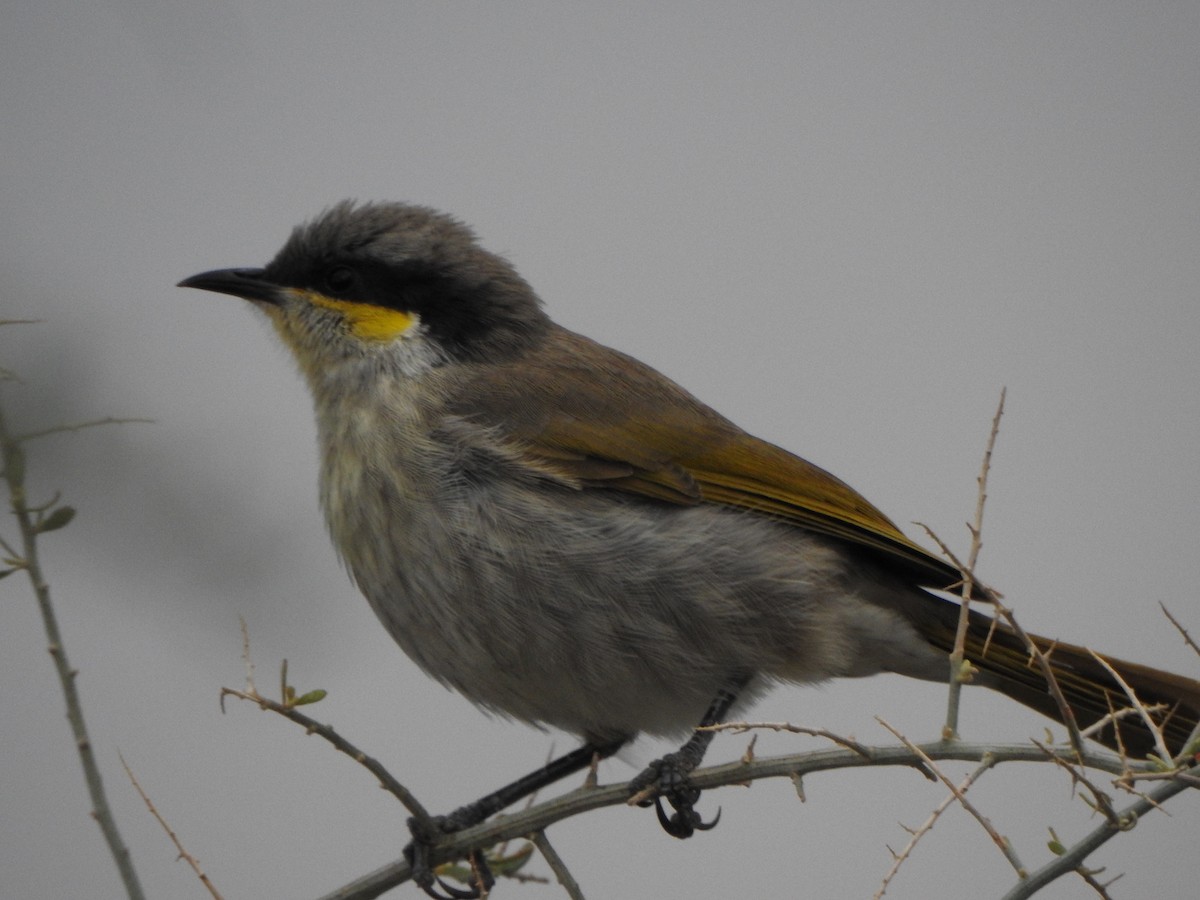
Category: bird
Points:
column 568, row 538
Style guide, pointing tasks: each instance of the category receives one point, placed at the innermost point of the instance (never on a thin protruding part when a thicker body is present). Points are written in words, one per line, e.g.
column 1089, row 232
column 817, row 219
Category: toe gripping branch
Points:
column 419, row 853
column 426, row 835
column 668, row 777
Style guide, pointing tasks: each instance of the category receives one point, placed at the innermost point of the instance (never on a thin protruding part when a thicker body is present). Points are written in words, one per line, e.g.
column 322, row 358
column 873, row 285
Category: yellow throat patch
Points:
column 366, row 321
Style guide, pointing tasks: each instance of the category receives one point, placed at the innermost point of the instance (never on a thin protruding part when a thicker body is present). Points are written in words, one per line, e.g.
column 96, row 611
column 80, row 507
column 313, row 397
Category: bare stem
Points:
column 958, row 655
column 794, row 767
column 79, row 426
column 1072, row 859
column 183, row 854
column 386, row 780
column 1187, row 638
column 1160, row 743
column 14, row 474
column 925, row 827
column 561, row 872
column 998, row 839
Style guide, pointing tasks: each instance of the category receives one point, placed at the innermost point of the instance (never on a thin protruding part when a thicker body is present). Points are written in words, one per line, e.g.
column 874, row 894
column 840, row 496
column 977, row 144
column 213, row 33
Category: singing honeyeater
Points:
column 567, row 537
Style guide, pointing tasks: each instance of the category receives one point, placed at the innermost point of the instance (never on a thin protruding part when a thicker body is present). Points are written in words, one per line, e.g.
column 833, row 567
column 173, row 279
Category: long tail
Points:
column 1089, row 689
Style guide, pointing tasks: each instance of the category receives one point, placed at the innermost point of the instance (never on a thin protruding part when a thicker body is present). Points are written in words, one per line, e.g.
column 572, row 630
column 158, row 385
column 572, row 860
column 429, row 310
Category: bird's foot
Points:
column 667, row 779
column 418, row 851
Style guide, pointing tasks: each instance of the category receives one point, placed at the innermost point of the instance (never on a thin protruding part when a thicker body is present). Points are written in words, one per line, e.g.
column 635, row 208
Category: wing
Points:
column 603, row 420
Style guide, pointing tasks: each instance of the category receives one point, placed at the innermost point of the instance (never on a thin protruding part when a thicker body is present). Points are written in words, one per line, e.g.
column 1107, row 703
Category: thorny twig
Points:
column 1000, row 841
column 183, row 854
column 959, row 667
column 926, row 826
column 1160, row 743
column 557, row 866
column 386, row 780
column 31, row 523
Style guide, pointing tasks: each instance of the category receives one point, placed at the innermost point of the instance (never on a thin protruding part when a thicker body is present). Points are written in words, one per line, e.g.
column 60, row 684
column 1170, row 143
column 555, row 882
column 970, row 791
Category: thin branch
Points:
column 994, row 597
column 1089, row 878
column 1183, row 631
column 250, row 687
column 1160, row 743
column 794, row 767
column 970, row 584
column 386, row 780
column 561, row 872
column 958, row 656
column 1101, row 801
column 183, row 854
column 1072, row 859
column 1115, row 716
column 79, row 426
column 1000, row 840
column 742, row 727
column 1066, row 713
column 925, row 827
column 14, row 474
column 981, row 497
column 288, row 710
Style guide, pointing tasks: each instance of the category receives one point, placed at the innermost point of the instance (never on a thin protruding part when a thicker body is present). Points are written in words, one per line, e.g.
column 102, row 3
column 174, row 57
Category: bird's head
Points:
column 394, row 285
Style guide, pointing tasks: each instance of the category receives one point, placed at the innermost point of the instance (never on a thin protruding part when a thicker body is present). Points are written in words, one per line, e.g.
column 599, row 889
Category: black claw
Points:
column 679, row 824
column 685, row 821
column 417, row 854
column 709, row 826
column 669, row 778
column 452, row 892
column 426, row 833
column 431, row 891
column 427, row 881
column 667, row 823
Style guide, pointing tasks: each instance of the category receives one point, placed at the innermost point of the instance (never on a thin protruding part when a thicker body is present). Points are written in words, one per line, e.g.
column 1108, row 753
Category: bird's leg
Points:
column 424, row 837
column 668, row 776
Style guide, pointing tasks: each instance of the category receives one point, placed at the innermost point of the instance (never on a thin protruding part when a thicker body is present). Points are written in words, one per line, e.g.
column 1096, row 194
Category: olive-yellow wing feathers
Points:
column 601, row 419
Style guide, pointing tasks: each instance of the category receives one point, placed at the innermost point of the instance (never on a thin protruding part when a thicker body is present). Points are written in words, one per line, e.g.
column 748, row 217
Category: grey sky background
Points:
column 846, row 226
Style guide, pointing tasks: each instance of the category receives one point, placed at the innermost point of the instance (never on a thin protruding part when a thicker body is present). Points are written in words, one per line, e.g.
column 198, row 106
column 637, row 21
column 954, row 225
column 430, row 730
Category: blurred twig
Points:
column 1187, row 638
column 183, row 854
column 32, row 521
column 79, row 426
column 561, row 872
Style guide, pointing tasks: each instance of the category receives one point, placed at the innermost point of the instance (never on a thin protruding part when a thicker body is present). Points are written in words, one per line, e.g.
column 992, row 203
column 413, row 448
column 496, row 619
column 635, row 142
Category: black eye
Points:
column 339, row 279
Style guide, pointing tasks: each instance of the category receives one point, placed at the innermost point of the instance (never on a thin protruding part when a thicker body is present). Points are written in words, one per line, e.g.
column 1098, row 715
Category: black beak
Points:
column 249, row 284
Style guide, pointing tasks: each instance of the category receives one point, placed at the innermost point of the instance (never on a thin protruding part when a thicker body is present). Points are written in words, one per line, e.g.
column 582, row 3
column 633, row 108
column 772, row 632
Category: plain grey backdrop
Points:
column 844, row 225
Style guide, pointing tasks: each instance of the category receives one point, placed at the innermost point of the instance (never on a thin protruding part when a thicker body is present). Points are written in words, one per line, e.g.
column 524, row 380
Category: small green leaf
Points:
column 457, row 871
column 1056, row 847
column 304, row 699
column 505, row 866
column 1191, row 749
column 1159, row 764
column 60, row 518
column 512, row 863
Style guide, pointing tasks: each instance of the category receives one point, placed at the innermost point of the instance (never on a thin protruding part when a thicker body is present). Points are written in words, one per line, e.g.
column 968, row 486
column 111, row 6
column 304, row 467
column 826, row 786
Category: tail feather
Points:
column 1088, row 688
